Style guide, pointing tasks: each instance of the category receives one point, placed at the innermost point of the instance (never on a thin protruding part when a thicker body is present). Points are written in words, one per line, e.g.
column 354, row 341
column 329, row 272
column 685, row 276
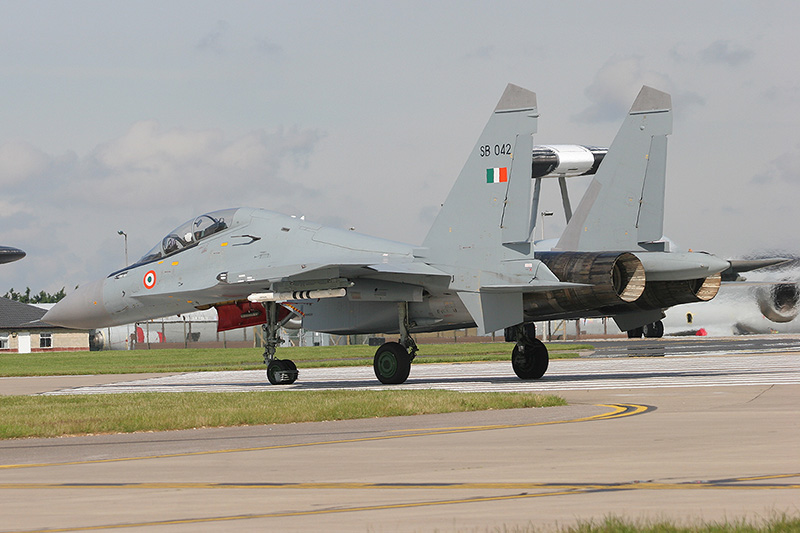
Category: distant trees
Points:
column 41, row 298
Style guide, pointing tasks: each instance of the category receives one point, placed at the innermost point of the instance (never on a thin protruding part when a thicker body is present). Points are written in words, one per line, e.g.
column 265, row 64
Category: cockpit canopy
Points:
column 190, row 233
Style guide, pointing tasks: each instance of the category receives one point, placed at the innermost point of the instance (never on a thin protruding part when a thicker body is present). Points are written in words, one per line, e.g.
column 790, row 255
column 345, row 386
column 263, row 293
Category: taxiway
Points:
column 707, row 437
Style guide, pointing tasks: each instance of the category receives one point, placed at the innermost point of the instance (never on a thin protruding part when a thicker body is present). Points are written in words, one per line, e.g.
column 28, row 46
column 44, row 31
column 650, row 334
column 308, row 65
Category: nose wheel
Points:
column 279, row 371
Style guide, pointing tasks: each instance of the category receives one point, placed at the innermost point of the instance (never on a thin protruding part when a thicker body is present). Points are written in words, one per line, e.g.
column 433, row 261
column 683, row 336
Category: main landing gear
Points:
column 650, row 331
column 529, row 359
column 279, row 372
column 392, row 362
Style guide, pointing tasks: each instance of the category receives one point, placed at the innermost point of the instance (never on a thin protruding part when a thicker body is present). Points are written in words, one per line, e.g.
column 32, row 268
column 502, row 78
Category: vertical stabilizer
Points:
column 490, row 203
column 623, row 207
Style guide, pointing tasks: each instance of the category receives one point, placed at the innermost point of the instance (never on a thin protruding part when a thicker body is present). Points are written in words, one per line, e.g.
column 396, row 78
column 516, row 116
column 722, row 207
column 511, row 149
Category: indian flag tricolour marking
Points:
column 497, row 175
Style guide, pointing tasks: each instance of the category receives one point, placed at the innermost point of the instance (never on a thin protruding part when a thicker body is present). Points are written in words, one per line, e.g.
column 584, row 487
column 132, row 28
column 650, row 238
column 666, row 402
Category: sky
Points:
column 138, row 116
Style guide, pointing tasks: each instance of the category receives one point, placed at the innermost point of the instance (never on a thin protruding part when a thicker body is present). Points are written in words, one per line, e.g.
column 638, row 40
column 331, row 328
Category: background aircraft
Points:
column 477, row 265
column 767, row 302
column 9, row 254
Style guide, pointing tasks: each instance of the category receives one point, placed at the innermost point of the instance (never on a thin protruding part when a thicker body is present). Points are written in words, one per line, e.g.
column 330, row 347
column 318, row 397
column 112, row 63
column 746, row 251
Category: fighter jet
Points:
column 9, row 254
column 478, row 265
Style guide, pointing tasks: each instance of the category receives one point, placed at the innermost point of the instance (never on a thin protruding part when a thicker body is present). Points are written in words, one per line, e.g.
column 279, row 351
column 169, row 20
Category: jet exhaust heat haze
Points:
column 478, row 265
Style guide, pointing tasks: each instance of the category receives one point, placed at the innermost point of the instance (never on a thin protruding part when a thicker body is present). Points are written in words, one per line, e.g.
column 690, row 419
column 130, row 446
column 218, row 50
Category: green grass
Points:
column 53, row 416
column 26, row 416
column 779, row 523
column 196, row 359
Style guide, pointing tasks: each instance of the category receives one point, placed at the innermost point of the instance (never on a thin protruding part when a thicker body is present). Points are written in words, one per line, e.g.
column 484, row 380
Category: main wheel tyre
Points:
column 654, row 330
column 635, row 333
column 392, row 363
column 530, row 362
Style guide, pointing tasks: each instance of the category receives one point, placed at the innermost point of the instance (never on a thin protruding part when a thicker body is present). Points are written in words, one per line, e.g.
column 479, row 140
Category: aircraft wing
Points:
column 746, row 265
column 308, row 276
column 302, row 278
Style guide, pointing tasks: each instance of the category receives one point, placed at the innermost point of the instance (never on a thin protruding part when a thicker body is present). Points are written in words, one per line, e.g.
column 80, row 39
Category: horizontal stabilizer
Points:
column 499, row 306
column 493, row 311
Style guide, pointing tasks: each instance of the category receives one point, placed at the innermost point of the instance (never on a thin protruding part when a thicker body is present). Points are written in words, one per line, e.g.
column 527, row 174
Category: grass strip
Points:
column 778, row 523
column 198, row 360
column 54, row 416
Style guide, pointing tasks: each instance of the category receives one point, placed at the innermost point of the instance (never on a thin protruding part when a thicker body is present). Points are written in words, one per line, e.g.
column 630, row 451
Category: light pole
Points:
column 120, row 232
column 545, row 214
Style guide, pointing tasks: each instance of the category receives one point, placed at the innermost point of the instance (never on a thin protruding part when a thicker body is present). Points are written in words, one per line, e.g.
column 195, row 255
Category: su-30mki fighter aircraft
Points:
column 477, row 266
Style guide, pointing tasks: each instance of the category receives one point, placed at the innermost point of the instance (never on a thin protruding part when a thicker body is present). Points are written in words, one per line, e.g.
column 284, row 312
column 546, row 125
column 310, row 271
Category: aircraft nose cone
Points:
column 82, row 309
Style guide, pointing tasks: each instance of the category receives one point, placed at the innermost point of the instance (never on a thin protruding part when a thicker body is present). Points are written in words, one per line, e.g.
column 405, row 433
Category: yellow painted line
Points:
column 624, row 410
column 617, row 411
column 758, row 478
column 302, row 486
column 640, row 485
column 302, row 513
column 562, row 490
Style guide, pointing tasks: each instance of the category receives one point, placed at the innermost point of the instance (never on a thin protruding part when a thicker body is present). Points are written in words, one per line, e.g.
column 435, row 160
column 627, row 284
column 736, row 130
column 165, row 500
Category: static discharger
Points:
column 296, row 295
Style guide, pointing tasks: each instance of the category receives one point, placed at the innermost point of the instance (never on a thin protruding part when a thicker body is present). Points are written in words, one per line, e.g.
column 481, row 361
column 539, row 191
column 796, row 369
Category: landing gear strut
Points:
column 279, row 372
column 392, row 362
column 529, row 359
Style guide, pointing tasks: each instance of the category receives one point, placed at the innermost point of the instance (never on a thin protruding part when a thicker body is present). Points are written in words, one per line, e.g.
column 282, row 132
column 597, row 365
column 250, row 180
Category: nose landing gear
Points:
column 279, row 372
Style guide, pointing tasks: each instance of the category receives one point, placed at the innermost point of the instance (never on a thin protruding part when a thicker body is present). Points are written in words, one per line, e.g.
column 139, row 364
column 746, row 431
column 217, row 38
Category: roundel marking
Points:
column 150, row 279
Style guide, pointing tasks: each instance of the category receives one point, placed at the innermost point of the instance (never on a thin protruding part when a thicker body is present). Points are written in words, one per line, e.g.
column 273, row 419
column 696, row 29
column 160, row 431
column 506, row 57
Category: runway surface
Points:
column 692, row 437
column 767, row 361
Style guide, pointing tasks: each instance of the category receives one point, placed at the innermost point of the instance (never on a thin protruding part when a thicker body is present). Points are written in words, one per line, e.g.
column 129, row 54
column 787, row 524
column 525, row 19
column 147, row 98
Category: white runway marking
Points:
column 565, row 374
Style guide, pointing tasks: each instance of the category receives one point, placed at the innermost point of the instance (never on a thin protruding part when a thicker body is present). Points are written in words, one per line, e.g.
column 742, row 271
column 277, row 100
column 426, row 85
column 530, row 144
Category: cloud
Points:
column 151, row 179
column 153, row 166
column 485, row 52
column 783, row 169
column 725, row 53
column 615, row 86
column 18, row 161
column 717, row 53
column 266, row 47
column 212, row 41
column 782, row 95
